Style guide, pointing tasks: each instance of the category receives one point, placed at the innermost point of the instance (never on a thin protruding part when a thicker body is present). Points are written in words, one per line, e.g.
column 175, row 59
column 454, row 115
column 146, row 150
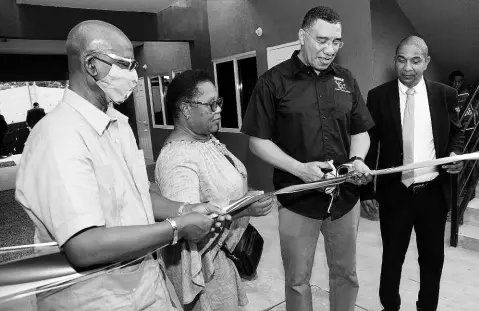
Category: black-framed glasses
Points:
column 125, row 62
column 213, row 104
column 337, row 44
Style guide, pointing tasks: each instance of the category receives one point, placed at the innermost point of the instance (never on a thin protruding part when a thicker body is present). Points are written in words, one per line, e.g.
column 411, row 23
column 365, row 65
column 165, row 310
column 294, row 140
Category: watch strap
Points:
column 356, row 158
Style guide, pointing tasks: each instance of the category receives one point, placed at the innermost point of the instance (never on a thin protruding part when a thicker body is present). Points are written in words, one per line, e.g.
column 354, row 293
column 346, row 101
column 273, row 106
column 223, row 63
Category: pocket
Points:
column 108, row 194
column 343, row 101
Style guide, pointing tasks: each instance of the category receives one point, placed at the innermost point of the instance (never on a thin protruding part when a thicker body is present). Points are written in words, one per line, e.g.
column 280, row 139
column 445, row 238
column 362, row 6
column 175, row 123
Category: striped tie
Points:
column 408, row 137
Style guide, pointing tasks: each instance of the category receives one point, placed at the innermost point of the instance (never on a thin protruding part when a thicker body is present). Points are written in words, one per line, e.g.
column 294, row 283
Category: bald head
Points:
column 411, row 60
column 95, row 37
column 417, row 42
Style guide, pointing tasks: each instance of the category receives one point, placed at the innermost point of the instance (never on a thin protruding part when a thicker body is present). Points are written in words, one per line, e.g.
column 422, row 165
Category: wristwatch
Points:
column 175, row 230
column 356, row 158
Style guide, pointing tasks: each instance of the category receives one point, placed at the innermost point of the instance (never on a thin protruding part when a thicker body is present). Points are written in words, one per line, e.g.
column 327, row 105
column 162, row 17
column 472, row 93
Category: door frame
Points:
column 145, row 152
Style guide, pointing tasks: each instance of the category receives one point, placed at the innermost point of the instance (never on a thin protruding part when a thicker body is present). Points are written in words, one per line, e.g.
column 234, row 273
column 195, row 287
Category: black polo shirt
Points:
column 311, row 118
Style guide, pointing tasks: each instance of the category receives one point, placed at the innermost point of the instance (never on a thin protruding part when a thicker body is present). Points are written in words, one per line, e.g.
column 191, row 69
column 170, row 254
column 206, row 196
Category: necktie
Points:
column 408, row 137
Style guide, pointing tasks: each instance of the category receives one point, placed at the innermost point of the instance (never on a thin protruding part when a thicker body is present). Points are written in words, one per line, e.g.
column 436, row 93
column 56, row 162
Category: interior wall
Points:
column 36, row 22
column 172, row 24
column 232, row 25
column 389, row 26
column 33, row 67
column 188, row 24
column 160, row 58
column 450, row 28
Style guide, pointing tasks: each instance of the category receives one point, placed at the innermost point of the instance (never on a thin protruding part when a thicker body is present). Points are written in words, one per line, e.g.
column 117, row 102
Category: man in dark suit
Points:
column 415, row 121
column 34, row 115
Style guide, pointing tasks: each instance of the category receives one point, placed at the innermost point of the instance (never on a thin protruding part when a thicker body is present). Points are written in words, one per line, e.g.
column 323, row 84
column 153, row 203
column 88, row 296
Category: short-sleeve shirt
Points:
column 81, row 168
column 311, row 117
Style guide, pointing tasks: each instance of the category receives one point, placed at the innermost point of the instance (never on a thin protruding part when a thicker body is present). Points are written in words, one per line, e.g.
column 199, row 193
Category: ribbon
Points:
column 53, row 271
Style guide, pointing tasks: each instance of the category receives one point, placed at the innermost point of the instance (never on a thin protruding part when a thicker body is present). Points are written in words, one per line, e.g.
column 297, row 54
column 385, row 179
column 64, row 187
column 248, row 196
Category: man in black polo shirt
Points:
column 302, row 113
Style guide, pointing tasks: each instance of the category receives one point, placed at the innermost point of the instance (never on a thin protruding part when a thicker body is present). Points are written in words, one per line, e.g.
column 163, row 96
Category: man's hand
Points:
column 371, row 209
column 194, row 226
column 311, row 171
column 212, row 211
column 361, row 173
column 454, row 167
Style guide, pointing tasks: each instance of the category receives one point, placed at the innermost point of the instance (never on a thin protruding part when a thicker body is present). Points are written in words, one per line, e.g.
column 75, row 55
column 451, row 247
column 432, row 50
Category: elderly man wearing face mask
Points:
column 83, row 182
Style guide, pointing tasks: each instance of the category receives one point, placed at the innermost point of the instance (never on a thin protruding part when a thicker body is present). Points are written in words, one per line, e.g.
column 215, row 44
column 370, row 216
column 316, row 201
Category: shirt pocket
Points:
column 343, row 100
column 108, row 190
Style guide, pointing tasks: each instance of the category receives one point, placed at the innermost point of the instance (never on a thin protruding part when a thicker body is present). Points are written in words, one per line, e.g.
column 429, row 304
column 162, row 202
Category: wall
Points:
column 188, row 24
column 33, row 67
column 389, row 26
column 160, row 57
column 232, row 24
column 450, row 28
column 36, row 22
column 172, row 24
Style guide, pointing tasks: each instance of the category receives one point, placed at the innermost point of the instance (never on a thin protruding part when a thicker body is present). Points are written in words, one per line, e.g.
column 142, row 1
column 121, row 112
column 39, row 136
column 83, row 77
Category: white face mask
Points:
column 118, row 83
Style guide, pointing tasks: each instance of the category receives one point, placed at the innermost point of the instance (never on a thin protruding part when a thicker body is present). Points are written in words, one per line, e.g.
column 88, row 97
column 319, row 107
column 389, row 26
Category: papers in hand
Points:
column 249, row 198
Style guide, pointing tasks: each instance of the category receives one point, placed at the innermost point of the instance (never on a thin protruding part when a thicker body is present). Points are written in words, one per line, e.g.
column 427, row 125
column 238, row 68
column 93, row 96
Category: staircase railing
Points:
column 464, row 184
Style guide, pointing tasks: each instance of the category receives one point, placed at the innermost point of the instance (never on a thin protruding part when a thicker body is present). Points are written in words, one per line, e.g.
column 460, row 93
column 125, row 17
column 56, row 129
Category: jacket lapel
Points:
column 434, row 107
column 393, row 98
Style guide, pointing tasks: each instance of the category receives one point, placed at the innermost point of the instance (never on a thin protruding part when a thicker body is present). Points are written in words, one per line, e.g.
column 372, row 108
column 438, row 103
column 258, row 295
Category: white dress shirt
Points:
column 423, row 137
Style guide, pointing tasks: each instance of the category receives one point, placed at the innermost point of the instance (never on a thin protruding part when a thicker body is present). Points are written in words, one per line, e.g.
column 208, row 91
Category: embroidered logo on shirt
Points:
column 340, row 85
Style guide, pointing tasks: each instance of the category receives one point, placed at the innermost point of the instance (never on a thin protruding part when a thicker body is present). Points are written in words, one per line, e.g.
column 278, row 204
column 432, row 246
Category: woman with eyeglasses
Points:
column 193, row 166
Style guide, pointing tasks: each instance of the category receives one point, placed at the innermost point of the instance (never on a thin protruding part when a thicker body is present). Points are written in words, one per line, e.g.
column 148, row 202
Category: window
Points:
column 157, row 86
column 235, row 78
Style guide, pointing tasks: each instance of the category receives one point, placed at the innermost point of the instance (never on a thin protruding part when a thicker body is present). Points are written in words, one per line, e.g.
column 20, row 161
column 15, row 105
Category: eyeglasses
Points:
column 213, row 104
column 337, row 44
column 125, row 62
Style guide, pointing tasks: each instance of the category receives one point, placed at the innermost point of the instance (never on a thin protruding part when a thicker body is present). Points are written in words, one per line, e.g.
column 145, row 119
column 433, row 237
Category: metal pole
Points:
column 454, row 212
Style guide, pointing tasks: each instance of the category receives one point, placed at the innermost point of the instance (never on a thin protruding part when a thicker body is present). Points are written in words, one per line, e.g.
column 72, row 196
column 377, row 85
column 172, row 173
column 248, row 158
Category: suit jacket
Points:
column 386, row 148
column 34, row 115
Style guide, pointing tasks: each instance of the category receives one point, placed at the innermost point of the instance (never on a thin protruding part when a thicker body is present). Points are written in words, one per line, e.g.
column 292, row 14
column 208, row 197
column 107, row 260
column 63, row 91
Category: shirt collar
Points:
column 298, row 64
column 94, row 116
column 419, row 88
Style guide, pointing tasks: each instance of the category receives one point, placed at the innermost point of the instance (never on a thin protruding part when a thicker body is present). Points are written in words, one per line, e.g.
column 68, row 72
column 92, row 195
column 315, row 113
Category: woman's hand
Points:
column 260, row 208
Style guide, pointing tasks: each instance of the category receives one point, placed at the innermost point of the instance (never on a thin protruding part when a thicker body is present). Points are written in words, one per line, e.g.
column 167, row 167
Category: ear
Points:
column 301, row 35
column 90, row 67
column 428, row 60
column 185, row 110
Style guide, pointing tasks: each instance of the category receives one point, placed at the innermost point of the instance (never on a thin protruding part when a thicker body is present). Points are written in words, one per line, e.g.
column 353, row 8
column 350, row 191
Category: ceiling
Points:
column 153, row 6
column 450, row 28
column 39, row 47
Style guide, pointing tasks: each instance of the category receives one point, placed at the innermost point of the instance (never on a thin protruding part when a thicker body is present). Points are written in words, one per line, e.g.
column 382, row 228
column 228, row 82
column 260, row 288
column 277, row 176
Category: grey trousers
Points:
column 298, row 239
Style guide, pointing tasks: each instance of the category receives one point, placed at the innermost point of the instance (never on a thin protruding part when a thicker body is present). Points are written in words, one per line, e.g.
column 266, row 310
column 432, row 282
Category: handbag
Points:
column 247, row 253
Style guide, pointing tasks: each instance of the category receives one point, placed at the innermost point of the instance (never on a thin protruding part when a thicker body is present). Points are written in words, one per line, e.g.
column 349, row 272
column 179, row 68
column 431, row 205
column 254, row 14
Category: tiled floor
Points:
column 459, row 284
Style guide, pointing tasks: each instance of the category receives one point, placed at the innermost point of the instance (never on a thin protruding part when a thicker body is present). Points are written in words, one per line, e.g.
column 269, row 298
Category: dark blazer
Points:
column 386, row 148
column 34, row 115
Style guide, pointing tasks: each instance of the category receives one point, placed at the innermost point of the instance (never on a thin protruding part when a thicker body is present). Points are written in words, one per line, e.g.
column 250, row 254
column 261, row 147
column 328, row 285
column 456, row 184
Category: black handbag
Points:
column 247, row 253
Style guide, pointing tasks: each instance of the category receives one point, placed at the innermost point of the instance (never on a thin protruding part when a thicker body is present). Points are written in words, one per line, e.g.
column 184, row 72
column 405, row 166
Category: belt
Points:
column 415, row 188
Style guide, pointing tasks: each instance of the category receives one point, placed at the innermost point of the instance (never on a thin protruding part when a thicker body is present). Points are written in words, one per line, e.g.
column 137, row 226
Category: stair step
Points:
column 471, row 214
column 469, row 237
